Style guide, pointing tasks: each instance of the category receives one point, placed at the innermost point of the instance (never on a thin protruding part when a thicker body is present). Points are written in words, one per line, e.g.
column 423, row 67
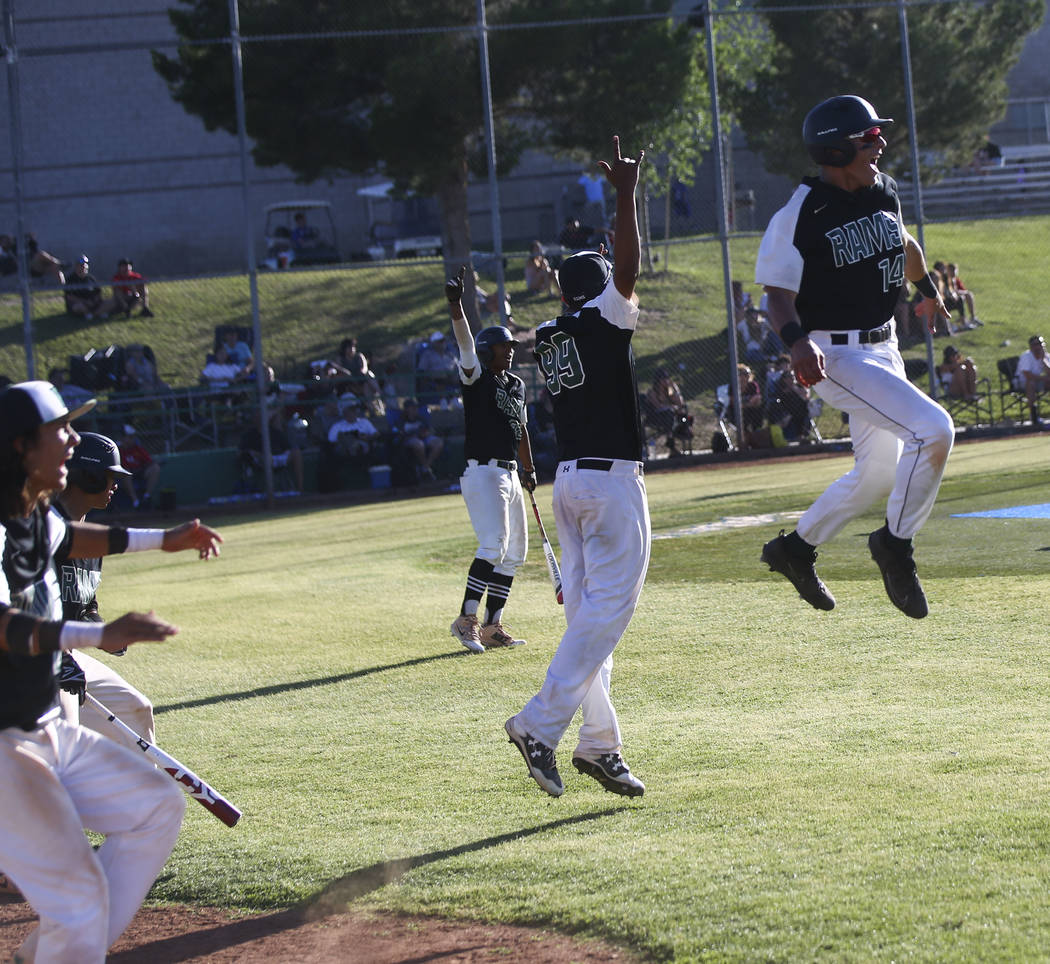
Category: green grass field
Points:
column 845, row 786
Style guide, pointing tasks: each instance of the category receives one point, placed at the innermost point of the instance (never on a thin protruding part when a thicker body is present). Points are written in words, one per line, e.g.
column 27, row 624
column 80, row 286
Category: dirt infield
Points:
column 164, row 935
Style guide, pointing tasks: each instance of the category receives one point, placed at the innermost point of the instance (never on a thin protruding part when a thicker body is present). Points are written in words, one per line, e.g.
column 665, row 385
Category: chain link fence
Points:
column 100, row 161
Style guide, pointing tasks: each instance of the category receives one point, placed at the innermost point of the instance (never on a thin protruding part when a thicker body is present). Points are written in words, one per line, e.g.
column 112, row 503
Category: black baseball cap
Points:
column 583, row 276
column 26, row 405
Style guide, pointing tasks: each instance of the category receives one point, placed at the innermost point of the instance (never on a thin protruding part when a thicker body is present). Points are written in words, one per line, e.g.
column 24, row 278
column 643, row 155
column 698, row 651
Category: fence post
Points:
column 490, row 134
column 249, row 249
column 15, row 127
column 723, row 226
column 916, row 179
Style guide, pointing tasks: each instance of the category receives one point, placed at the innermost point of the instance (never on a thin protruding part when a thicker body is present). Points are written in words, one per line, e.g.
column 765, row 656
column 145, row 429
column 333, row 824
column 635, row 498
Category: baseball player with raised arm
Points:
column 600, row 503
column 94, row 472
column 57, row 778
column 832, row 261
column 499, row 463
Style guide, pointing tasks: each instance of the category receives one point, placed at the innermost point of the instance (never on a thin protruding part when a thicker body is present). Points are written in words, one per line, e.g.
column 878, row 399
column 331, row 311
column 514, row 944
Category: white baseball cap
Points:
column 26, row 405
column 437, row 336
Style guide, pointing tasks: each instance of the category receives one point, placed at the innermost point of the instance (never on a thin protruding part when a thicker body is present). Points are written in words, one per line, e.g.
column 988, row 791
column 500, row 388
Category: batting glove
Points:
column 454, row 288
column 528, row 480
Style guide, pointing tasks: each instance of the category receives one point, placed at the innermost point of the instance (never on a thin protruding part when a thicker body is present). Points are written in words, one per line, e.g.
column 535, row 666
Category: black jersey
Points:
column 28, row 684
column 842, row 251
column 494, row 412
column 588, row 365
column 78, row 581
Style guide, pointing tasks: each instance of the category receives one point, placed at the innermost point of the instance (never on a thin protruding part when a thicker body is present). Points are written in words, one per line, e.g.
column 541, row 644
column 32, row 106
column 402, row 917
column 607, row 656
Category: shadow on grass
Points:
column 334, row 899
column 304, row 684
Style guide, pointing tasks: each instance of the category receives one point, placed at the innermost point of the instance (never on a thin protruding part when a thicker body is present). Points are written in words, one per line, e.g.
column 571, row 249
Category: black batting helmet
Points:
column 828, row 126
column 92, row 459
column 487, row 337
column 583, row 276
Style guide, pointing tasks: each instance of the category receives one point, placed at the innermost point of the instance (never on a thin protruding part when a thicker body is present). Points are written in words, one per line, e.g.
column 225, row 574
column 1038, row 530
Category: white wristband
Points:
column 140, row 540
column 75, row 635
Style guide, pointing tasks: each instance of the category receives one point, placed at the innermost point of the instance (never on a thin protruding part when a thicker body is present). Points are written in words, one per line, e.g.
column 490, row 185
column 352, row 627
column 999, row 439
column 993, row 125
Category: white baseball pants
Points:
column 497, row 512
column 604, row 531
column 901, row 441
column 119, row 697
column 55, row 782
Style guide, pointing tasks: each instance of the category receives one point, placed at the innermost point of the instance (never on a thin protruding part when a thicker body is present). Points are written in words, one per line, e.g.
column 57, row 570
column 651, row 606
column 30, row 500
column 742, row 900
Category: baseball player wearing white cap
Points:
column 499, row 463
column 833, row 261
column 56, row 778
column 600, row 502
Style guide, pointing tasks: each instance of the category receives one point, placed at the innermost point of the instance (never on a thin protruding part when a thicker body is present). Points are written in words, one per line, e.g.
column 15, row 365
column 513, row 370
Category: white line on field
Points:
column 729, row 522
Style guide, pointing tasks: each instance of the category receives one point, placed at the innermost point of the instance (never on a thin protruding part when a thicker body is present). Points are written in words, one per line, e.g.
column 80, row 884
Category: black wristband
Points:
column 118, row 540
column 925, row 286
column 791, row 332
column 19, row 633
column 49, row 635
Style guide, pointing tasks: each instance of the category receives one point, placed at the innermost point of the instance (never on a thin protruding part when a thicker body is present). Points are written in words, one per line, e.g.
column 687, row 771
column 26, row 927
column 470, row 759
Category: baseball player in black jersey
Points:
column 833, row 261
column 94, row 473
column 600, row 503
column 499, row 463
column 57, row 778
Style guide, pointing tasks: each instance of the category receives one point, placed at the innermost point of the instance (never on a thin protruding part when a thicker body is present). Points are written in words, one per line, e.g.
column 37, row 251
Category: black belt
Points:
column 599, row 465
column 869, row 337
column 500, row 463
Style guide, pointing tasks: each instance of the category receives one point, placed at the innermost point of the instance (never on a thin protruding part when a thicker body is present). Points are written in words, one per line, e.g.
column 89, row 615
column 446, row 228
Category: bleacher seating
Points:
column 1021, row 185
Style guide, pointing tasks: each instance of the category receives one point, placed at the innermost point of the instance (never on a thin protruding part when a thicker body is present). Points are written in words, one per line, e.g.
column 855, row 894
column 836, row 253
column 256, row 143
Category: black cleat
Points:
column 539, row 758
column 799, row 572
column 611, row 772
column 898, row 576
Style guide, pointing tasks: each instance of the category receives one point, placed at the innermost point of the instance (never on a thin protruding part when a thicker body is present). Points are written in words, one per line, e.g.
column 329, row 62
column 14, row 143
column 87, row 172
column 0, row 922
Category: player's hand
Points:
column 939, row 311
column 528, row 480
column 807, row 362
column 454, row 287
column 135, row 628
column 193, row 535
column 622, row 173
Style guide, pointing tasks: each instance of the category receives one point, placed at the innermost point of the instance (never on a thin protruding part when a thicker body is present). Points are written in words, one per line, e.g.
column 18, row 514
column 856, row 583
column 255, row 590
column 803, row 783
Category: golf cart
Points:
column 400, row 227
column 294, row 241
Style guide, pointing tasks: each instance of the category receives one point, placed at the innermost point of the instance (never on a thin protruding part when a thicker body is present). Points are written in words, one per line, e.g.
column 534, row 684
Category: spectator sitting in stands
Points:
column 667, row 409
column 351, row 361
column 83, row 295
column 140, row 374
column 1033, row 374
column 436, row 366
column 283, row 453
column 353, row 435
column 539, row 275
column 221, row 372
column 488, row 306
column 752, row 335
column 303, row 235
column 750, row 402
column 73, row 395
column 411, row 423
column 789, row 406
column 961, row 293
column 145, row 473
column 130, row 289
column 958, row 374
column 239, row 351
column 922, row 306
column 576, row 236
column 40, row 262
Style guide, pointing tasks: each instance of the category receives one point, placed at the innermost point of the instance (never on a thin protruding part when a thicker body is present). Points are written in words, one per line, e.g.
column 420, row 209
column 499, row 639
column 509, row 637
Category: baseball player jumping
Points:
column 832, row 261
column 57, row 778
column 600, row 503
column 499, row 463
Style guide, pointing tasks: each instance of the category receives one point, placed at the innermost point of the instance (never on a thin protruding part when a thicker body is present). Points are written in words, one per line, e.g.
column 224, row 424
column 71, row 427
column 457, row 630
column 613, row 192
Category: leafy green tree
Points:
column 408, row 104
column 961, row 53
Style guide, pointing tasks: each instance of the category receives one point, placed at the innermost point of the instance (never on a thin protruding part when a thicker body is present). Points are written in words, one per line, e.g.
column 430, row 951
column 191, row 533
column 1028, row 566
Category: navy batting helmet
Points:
column 583, row 276
column 91, row 460
column 829, row 128
column 487, row 337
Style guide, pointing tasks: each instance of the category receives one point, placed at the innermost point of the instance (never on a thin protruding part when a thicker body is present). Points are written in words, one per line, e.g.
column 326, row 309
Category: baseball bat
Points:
column 207, row 796
column 548, row 551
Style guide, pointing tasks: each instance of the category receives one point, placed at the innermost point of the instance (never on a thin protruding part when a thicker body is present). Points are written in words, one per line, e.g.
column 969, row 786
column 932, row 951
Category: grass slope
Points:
column 305, row 314
column 850, row 785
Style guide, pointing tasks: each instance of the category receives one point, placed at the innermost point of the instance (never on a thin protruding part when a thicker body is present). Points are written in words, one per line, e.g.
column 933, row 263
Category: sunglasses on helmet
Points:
column 870, row 136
